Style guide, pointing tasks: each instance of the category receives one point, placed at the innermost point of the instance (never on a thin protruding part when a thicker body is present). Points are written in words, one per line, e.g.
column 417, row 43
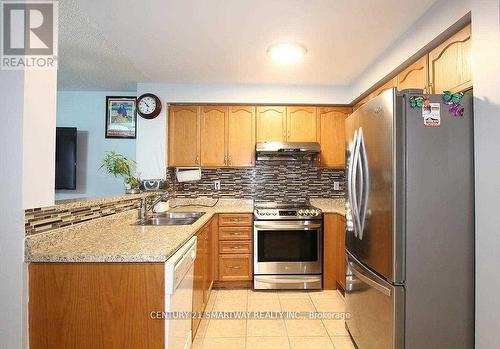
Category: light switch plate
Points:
column 336, row 185
column 217, row 185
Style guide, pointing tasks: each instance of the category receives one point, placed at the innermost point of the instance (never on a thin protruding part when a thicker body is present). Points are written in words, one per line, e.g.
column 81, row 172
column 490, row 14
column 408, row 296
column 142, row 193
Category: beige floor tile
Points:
column 263, row 305
column 326, row 294
column 329, row 305
column 293, row 294
column 267, row 343
column 310, row 343
column 297, row 304
column 335, row 327
column 266, row 328
column 229, row 304
column 211, row 300
column 342, row 342
column 305, row 328
column 226, row 328
column 240, row 295
column 273, row 295
column 224, row 343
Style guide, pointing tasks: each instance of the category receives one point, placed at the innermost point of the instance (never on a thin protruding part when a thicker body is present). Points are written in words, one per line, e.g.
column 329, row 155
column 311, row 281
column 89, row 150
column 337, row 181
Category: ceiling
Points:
column 113, row 44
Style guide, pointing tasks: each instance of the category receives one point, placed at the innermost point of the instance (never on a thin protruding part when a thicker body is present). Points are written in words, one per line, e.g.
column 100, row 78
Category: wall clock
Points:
column 148, row 106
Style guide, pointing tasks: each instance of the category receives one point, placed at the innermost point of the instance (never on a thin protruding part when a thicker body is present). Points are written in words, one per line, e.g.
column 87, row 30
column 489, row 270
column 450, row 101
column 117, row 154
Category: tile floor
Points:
column 273, row 333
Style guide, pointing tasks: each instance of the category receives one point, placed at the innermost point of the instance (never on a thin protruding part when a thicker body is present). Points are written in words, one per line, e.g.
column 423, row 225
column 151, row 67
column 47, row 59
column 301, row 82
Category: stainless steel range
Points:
column 288, row 246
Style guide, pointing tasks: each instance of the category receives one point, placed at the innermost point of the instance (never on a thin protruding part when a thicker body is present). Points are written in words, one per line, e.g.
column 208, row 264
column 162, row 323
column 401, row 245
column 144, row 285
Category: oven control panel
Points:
column 284, row 213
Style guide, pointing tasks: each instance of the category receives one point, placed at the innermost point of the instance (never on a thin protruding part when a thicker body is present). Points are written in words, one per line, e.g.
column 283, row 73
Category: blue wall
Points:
column 86, row 111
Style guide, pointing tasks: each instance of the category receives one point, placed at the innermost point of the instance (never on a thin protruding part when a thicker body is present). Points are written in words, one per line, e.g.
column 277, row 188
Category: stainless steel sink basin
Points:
column 172, row 218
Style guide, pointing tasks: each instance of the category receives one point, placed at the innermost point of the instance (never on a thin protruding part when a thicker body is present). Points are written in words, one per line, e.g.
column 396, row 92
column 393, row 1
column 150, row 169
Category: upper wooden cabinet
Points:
column 415, row 76
column 183, row 136
column 286, row 124
column 450, row 65
column 241, row 136
column 332, row 135
column 213, row 136
column 301, row 124
column 271, row 124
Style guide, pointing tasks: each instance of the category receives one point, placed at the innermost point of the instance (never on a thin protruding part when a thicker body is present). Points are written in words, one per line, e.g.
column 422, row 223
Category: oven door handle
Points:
column 313, row 226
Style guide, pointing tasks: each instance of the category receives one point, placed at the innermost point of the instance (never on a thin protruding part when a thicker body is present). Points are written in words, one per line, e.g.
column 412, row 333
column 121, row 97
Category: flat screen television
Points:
column 66, row 158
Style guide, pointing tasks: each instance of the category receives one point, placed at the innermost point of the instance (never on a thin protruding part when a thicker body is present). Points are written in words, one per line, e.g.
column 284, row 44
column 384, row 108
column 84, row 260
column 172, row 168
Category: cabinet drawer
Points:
column 235, row 247
column 235, row 219
column 235, row 267
column 235, row 233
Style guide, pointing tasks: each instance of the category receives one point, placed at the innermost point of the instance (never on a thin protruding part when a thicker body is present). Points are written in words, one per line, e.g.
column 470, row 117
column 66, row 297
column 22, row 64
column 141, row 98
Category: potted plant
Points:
column 119, row 166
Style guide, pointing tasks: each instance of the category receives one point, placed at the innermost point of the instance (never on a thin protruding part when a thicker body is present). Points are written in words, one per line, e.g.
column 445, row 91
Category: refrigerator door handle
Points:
column 369, row 281
column 365, row 182
column 352, row 185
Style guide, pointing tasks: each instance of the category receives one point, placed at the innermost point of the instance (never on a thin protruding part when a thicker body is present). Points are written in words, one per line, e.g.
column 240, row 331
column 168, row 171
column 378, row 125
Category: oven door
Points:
column 287, row 247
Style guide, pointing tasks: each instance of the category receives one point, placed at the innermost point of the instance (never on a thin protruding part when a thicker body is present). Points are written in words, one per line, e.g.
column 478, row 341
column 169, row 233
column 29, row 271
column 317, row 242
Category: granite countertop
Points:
column 114, row 239
column 330, row 205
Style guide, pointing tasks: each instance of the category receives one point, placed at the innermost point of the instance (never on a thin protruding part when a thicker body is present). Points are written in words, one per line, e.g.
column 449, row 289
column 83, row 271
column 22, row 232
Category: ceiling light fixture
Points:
column 288, row 53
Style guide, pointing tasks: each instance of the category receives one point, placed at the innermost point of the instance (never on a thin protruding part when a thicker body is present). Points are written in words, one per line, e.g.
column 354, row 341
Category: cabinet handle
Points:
column 225, row 159
column 234, row 219
column 231, row 267
column 229, row 159
column 197, row 160
column 234, row 233
column 288, row 134
column 235, row 247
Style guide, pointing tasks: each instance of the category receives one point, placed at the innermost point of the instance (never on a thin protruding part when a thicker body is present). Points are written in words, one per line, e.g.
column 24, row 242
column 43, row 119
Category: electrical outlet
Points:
column 217, row 185
column 336, row 185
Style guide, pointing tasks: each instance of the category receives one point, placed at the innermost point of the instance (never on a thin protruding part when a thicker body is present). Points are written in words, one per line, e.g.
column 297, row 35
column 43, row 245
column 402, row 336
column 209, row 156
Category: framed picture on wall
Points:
column 121, row 117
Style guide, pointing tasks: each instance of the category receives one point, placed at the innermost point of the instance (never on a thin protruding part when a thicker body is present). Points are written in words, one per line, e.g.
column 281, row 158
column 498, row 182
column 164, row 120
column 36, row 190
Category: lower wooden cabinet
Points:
column 96, row 305
column 235, row 267
column 333, row 251
column 235, row 247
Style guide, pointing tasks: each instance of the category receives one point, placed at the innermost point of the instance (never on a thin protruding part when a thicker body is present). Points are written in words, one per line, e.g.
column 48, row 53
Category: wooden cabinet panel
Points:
column 235, row 267
column 332, row 135
column 235, row 247
column 235, row 233
column 271, row 124
column 450, row 63
column 241, row 136
column 330, row 251
column 388, row 85
column 213, row 136
column 95, row 305
column 200, row 276
column 341, row 259
column 235, row 219
column 301, row 124
column 415, row 76
column 214, row 238
column 183, row 136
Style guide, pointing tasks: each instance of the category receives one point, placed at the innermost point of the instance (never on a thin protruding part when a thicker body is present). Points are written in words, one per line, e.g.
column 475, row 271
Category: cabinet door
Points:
column 330, row 250
column 214, row 251
column 341, row 251
column 235, row 267
column 450, row 65
column 301, row 124
column 241, row 136
column 199, row 280
column 183, row 136
column 213, row 135
column 415, row 76
column 332, row 135
column 388, row 85
column 271, row 124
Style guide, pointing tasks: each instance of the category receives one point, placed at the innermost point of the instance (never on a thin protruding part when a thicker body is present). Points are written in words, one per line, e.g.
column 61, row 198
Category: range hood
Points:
column 294, row 151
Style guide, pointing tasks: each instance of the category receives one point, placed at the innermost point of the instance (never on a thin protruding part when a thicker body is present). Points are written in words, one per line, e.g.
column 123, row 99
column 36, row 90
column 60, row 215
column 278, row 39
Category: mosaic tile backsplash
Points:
column 281, row 181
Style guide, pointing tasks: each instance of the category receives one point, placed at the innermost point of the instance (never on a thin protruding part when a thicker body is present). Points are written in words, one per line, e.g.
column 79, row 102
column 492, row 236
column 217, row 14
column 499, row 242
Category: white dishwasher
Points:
column 179, row 296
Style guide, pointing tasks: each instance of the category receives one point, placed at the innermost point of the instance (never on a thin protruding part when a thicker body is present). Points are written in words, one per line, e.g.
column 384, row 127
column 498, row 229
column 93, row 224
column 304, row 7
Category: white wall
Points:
column 86, row 110
column 39, row 152
column 486, row 70
column 440, row 16
column 12, row 293
column 151, row 134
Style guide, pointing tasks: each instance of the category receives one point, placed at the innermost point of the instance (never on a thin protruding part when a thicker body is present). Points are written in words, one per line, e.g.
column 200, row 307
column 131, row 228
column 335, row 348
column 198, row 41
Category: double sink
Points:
column 171, row 218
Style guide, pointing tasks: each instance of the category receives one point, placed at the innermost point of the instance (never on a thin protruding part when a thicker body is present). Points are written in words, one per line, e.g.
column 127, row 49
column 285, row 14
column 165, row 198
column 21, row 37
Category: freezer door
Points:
column 370, row 187
column 375, row 309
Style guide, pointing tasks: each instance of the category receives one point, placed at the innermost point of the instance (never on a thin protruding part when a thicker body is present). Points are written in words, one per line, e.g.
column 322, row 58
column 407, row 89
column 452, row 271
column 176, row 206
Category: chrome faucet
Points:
column 144, row 209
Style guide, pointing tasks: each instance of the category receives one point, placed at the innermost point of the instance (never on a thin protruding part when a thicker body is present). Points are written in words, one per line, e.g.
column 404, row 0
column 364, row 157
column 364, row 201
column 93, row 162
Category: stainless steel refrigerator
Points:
column 410, row 224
